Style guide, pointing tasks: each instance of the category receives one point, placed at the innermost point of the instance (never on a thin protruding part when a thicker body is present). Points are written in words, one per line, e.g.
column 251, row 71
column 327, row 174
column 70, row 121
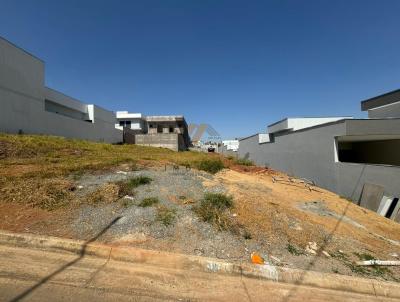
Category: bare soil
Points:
column 281, row 217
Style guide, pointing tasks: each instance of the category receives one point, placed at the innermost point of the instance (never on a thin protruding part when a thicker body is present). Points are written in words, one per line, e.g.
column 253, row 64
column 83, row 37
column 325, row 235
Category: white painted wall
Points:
column 136, row 119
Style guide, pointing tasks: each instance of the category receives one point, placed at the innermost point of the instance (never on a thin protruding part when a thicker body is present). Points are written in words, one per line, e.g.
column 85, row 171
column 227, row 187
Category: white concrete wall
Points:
column 392, row 110
column 136, row 119
column 22, row 97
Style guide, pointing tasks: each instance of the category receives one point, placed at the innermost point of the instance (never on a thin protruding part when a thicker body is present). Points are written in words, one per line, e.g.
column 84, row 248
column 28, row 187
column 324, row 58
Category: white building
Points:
column 167, row 131
column 342, row 154
column 134, row 121
column 27, row 106
column 231, row 145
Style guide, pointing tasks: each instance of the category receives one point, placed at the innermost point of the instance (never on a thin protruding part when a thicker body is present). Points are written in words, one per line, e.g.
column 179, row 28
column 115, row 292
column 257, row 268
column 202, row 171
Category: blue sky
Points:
column 238, row 65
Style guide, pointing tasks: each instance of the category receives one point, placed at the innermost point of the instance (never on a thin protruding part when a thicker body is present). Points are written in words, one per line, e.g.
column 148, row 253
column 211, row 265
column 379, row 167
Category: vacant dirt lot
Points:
column 287, row 222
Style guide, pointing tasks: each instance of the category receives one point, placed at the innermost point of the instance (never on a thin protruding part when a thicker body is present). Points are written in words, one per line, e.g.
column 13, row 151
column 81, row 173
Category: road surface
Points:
column 38, row 275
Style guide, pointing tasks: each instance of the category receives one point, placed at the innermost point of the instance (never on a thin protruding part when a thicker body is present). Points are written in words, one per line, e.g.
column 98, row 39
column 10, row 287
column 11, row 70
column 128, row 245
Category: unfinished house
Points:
column 27, row 106
column 169, row 131
column 356, row 158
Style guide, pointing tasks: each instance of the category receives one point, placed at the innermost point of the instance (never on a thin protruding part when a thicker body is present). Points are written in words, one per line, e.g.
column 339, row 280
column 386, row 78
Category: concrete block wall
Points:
column 163, row 140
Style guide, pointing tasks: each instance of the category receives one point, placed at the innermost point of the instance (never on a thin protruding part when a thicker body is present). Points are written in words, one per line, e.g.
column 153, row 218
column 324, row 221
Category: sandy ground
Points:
column 282, row 218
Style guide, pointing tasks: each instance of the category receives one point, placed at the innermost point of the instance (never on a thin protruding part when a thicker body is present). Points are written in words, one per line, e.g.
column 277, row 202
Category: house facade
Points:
column 168, row 131
column 27, row 106
column 340, row 154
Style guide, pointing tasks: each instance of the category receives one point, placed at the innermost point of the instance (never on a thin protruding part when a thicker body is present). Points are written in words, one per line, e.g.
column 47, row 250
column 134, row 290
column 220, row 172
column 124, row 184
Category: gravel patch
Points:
column 177, row 190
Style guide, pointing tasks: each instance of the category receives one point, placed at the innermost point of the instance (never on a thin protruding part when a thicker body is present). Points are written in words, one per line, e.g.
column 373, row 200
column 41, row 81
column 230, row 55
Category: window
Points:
column 125, row 124
column 171, row 129
column 380, row 152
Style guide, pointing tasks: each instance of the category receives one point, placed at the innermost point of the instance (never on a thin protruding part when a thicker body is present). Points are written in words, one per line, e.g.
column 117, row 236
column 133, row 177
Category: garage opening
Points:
column 382, row 152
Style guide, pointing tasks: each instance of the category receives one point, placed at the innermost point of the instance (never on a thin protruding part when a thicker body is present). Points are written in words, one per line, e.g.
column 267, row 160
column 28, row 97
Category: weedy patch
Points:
column 213, row 209
column 148, row 202
column 294, row 250
column 106, row 193
column 364, row 256
column 212, row 165
column 126, row 202
column 58, row 156
column 126, row 186
column 244, row 162
column 374, row 270
column 166, row 215
column 139, row 181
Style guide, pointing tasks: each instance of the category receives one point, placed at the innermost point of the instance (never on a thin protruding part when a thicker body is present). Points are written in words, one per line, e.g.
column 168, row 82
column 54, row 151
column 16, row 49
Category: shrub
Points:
column 244, row 162
column 127, row 202
column 148, row 202
column 138, row 181
column 293, row 250
column 210, row 165
column 212, row 209
column 218, row 200
column 126, row 186
column 165, row 215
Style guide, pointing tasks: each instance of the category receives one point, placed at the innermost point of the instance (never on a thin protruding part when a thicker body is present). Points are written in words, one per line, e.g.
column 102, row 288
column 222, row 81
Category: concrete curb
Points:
column 196, row 263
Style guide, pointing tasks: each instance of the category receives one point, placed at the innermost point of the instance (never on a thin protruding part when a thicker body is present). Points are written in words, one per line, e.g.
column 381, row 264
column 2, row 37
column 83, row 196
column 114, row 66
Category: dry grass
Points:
column 214, row 210
column 47, row 194
column 271, row 210
column 35, row 169
column 106, row 193
column 49, row 156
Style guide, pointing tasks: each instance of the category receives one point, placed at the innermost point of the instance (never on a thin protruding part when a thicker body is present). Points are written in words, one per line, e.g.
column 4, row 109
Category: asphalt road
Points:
column 35, row 275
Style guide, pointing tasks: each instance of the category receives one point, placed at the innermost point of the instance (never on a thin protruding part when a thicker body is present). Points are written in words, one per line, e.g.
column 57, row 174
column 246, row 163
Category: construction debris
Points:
column 311, row 248
column 310, row 185
column 275, row 259
column 378, row 262
column 326, row 254
column 256, row 258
